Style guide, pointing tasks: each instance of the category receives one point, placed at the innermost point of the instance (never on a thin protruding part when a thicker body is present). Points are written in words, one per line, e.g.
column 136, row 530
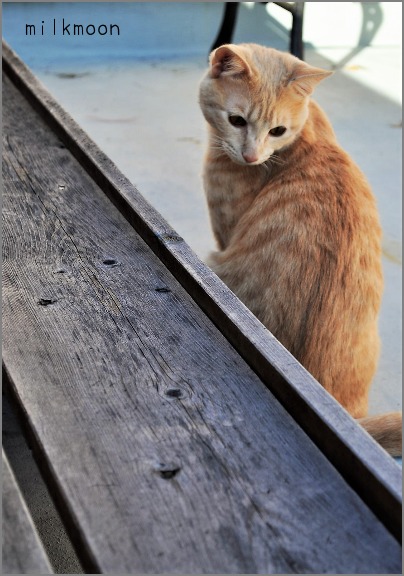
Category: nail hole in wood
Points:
column 169, row 473
column 46, row 301
column 110, row 262
column 162, row 289
column 174, row 393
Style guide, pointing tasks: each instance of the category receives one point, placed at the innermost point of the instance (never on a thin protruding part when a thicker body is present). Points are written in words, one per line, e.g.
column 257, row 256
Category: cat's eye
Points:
column 278, row 131
column 237, row 120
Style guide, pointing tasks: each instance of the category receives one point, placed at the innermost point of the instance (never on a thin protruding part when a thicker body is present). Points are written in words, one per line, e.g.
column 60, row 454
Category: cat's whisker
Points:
column 217, row 140
column 219, row 145
column 265, row 166
column 269, row 163
column 275, row 159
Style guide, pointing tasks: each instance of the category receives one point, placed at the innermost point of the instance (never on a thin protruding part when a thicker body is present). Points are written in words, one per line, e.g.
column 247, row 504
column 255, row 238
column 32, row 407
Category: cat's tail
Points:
column 386, row 429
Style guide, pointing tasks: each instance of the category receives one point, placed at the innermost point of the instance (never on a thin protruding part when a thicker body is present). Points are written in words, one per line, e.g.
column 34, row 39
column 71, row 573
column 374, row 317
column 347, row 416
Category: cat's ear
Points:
column 227, row 60
column 305, row 78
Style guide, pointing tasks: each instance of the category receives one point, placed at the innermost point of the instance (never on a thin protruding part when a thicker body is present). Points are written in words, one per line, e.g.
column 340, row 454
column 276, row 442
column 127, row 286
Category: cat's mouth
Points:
column 242, row 162
column 254, row 159
column 245, row 159
column 267, row 162
column 249, row 161
column 257, row 162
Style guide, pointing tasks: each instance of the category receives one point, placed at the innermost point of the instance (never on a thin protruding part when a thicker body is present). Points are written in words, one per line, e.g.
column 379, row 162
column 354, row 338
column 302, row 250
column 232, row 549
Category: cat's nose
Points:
column 250, row 158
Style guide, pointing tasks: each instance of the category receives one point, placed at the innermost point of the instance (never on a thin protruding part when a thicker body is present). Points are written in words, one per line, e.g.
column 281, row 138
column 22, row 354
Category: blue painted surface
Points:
column 147, row 31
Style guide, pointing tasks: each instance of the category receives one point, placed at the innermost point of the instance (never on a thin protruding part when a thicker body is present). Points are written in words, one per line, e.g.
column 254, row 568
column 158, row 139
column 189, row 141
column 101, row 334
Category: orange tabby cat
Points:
column 295, row 221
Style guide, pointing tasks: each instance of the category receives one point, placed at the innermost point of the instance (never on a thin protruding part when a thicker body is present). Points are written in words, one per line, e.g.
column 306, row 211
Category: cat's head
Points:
column 256, row 100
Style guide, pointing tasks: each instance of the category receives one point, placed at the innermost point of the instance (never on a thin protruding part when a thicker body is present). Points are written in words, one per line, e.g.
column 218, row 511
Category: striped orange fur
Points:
column 296, row 224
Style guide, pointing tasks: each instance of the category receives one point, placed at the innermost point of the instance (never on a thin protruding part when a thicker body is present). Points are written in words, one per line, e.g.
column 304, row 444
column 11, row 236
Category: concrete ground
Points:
column 145, row 116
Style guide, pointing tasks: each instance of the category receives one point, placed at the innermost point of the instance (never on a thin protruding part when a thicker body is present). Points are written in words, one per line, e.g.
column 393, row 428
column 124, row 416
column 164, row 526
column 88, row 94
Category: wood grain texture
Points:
column 165, row 451
column 22, row 550
column 357, row 457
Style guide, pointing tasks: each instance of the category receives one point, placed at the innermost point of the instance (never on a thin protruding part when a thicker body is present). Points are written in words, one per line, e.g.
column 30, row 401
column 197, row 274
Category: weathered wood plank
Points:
column 361, row 462
column 165, row 451
column 22, row 550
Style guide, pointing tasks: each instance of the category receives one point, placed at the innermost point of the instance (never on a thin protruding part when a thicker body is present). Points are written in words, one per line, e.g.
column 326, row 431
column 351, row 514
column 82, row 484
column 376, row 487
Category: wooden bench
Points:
column 23, row 552
column 176, row 435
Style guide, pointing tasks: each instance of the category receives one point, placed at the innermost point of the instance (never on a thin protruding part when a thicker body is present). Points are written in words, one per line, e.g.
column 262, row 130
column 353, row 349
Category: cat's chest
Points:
column 229, row 194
